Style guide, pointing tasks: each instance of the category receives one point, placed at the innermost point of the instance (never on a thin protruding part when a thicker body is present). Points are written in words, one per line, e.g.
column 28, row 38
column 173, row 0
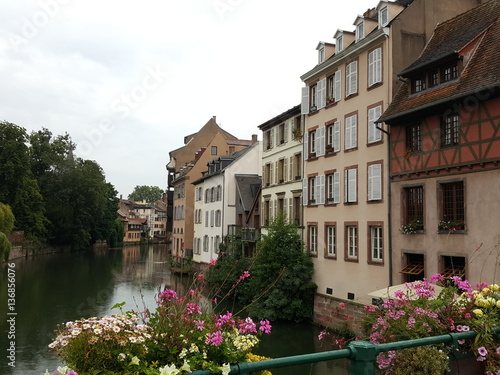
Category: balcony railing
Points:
column 362, row 355
column 243, row 233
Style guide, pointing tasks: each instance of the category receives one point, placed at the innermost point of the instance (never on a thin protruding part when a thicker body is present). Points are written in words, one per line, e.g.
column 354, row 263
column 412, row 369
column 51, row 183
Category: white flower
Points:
column 185, row 367
column 46, row 372
column 62, row 370
column 225, row 368
column 169, row 370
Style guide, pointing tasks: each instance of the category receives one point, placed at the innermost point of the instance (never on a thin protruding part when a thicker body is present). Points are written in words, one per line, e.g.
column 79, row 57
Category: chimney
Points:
column 254, row 138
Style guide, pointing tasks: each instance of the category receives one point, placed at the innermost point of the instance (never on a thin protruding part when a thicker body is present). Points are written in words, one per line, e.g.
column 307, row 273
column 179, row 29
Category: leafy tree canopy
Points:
column 6, row 219
column 149, row 194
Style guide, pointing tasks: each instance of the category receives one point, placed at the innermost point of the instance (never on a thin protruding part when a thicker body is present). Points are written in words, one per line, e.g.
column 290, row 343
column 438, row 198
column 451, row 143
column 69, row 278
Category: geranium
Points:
column 420, row 311
column 180, row 335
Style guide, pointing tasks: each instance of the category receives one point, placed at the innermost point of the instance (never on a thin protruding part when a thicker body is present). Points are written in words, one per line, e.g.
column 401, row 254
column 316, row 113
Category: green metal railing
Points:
column 362, row 354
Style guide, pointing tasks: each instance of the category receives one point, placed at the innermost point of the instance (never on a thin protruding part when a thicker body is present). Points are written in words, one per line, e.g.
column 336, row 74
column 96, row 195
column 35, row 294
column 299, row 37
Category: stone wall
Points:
column 338, row 314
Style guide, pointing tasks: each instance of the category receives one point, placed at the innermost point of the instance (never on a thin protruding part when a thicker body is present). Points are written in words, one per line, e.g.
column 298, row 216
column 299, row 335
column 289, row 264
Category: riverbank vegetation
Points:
column 56, row 197
column 281, row 286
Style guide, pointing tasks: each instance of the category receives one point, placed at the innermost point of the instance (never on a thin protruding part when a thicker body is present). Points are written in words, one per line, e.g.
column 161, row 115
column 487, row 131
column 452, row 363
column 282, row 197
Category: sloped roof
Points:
column 247, row 187
column 480, row 25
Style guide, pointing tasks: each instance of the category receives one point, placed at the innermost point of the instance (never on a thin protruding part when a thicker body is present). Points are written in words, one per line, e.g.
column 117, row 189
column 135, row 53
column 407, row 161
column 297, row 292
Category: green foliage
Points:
column 411, row 361
column 281, row 260
column 117, row 233
column 149, row 194
column 6, row 219
column 5, row 247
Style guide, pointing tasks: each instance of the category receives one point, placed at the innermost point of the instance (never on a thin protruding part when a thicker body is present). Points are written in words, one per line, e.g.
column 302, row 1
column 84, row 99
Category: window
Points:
column 282, row 129
column 449, row 129
column 267, row 174
column 452, row 201
column 350, row 191
column 312, row 142
column 321, row 55
column 331, row 239
column 375, row 182
column 413, row 138
column 449, row 72
column 418, row 84
column 340, row 43
column 206, row 218
column 297, row 211
column 352, row 241
column 334, row 93
column 360, row 31
column 351, row 78
column 351, row 132
column 214, row 150
column 434, row 78
column 297, row 167
column 212, row 218
column 281, row 204
column 313, row 239
column 414, row 205
column 453, row 266
column 376, row 248
column 374, row 134
column 312, row 98
column 268, row 139
column 383, row 17
column 205, row 243
column 312, row 190
column 333, row 188
column 333, row 136
column 414, row 268
column 281, row 171
column 217, row 244
column 375, row 66
column 218, row 218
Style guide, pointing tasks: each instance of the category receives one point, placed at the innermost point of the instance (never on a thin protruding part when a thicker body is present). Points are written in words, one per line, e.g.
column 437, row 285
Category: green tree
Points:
column 149, row 194
column 5, row 247
column 280, row 286
column 6, row 219
column 18, row 188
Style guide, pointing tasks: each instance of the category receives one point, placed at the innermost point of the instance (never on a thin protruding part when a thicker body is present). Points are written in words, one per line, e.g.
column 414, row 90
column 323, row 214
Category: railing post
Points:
column 363, row 357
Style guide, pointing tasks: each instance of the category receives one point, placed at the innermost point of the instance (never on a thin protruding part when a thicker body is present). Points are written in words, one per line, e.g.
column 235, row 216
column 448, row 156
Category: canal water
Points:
column 56, row 288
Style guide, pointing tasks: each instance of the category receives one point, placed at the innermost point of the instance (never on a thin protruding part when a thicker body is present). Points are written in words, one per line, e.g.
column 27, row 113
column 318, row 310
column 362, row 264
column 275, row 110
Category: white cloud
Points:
column 87, row 68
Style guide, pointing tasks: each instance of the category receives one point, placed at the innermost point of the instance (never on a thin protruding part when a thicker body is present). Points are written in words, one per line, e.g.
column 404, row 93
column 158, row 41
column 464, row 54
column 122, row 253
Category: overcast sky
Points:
column 127, row 80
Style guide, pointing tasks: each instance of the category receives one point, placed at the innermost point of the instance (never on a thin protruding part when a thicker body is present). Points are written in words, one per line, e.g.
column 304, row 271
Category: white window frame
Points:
column 333, row 181
column 375, row 66
column 376, row 243
column 360, row 31
column 331, row 240
column 351, row 78
column 350, row 185
column 313, row 239
column 375, row 182
column 383, row 16
column 351, row 135
column 352, row 241
column 374, row 134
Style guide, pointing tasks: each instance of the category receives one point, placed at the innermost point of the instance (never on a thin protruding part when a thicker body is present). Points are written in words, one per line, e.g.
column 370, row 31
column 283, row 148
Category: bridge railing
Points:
column 362, row 355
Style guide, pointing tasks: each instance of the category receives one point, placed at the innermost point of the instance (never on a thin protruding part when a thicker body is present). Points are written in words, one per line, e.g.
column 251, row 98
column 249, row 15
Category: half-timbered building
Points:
column 445, row 153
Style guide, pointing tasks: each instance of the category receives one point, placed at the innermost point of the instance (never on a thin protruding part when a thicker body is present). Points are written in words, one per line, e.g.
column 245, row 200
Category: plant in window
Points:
column 451, row 226
column 297, row 134
column 329, row 148
column 412, row 227
column 330, row 100
column 313, row 108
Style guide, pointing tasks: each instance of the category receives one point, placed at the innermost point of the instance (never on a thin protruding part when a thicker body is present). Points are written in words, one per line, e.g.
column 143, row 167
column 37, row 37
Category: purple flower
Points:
column 265, row 326
column 482, row 351
column 248, row 326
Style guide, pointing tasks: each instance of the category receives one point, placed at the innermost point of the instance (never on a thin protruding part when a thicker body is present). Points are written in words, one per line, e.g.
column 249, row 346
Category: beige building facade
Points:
column 345, row 184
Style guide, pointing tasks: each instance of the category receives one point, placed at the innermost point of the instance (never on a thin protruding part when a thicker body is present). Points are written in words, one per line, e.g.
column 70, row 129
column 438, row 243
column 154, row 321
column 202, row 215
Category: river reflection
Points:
column 52, row 289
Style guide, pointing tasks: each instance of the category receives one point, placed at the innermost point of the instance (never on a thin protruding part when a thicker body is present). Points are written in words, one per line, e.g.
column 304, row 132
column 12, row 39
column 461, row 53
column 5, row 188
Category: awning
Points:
column 388, row 293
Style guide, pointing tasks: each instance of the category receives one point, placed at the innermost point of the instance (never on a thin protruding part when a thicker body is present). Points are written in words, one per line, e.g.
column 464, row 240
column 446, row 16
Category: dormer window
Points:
column 321, row 55
column 418, row 84
column 360, row 31
column 449, row 72
column 340, row 45
column 383, row 17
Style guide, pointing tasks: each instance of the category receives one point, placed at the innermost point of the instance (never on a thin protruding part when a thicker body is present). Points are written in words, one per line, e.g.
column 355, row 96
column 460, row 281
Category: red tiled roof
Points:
column 481, row 72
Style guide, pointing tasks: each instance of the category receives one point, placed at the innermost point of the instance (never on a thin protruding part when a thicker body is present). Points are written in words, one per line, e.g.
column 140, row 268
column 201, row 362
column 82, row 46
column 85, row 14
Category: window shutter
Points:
column 316, row 190
column 271, row 138
column 304, row 107
column 321, row 93
column 320, row 141
column 350, row 185
column 350, row 132
column 336, row 136
column 275, row 208
column 291, row 177
column 285, row 132
column 306, row 145
column 276, row 169
column 321, row 190
column 374, row 182
column 271, row 173
column 285, row 170
column 338, row 85
column 374, row 134
column 336, row 187
column 305, row 195
column 290, row 209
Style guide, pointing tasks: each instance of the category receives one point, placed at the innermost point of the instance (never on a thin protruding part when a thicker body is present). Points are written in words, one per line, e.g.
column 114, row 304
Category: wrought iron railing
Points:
column 362, row 355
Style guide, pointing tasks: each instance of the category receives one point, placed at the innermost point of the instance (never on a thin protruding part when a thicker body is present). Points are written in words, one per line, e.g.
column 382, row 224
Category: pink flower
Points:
column 199, row 324
column 213, row 262
column 200, row 277
column 342, row 304
column 245, row 275
column 265, row 326
column 369, row 308
column 247, row 326
column 482, row 351
column 168, row 295
column 214, row 338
